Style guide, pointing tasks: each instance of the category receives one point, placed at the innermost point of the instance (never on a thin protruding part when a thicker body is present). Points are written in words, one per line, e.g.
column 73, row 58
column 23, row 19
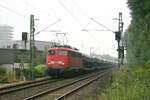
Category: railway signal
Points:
column 24, row 39
column 24, row 36
column 118, row 35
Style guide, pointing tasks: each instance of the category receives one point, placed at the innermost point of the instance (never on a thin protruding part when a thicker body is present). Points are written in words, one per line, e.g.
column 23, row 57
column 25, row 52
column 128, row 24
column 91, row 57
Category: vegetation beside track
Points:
column 39, row 71
column 131, row 84
column 7, row 76
column 138, row 32
column 3, row 75
column 134, row 82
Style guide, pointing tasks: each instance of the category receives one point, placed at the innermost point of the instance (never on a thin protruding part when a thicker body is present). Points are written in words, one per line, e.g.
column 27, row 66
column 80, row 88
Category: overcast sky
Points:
column 72, row 16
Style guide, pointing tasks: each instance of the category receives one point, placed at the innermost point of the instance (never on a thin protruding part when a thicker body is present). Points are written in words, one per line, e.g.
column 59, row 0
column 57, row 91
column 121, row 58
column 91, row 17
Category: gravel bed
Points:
column 58, row 93
column 8, row 84
column 19, row 95
column 92, row 91
column 2, row 85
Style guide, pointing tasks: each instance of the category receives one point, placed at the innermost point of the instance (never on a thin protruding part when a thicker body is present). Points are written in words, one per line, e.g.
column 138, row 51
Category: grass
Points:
column 7, row 76
column 128, row 85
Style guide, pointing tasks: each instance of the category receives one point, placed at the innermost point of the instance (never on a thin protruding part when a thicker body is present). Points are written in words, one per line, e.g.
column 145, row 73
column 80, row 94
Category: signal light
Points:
column 24, row 36
column 118, row 35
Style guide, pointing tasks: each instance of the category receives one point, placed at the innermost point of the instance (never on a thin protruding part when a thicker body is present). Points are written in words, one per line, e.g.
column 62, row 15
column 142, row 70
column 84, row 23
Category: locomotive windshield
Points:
column 62, row 52
column 51, row 52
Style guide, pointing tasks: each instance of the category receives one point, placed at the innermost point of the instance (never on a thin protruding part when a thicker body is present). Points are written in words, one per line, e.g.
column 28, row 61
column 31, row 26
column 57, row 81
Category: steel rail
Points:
column 24, row 83
column 79, row 87
column 57, row 88
column 26, row 86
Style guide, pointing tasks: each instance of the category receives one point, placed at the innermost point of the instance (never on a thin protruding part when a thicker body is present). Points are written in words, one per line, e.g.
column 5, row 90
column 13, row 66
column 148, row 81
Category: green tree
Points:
column 138, row 35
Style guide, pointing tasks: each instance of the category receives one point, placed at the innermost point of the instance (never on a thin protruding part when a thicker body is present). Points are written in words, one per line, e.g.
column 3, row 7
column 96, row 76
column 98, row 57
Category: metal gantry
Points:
column 32, row 46
column 119, row 38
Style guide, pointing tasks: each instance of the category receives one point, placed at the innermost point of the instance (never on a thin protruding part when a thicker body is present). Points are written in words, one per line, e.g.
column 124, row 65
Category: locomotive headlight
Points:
column 51, row 62
column 61, row 62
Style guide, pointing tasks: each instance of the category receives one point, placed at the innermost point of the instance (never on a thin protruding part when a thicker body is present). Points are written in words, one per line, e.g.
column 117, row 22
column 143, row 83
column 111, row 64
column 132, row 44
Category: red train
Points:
column 62, row 60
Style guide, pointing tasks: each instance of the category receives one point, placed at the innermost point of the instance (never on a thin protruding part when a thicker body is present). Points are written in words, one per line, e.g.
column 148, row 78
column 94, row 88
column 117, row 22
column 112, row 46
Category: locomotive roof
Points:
column 63, row 48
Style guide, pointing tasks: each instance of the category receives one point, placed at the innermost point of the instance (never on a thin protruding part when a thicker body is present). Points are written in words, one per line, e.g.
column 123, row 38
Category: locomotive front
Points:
column 63, row 61
column 56, row 61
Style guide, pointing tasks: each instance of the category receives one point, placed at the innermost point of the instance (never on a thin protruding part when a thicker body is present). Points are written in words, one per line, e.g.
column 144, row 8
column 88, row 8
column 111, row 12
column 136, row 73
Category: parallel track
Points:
column 79, row 87
column 26, row 85
column 35, row 89
column 23, row 84
column 98, row 75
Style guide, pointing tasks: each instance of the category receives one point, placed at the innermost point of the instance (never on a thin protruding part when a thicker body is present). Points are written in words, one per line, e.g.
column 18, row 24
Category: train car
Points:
column 62, row 60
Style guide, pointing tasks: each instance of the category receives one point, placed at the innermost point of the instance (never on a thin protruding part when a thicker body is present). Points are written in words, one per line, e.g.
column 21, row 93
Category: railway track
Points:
column 19, row 91
column 63, row 91
column 78, row 88
column 35, row 89
column 23, row 84
column 18, row 87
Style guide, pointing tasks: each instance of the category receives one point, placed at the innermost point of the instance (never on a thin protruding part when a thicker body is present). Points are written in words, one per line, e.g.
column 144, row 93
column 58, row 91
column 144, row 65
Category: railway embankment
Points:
column 76, row 88
column 133, row 83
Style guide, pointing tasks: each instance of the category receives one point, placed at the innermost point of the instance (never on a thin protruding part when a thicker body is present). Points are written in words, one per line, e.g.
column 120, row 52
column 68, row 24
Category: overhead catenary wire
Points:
column 88, row 18
column 35, row 8
column 107, row 29
column 101, row 25
column 38, row 10
column 13, row 11
column 81, row 10
column 87, row 30
column 72, row 15
column 19, row 14
column 48, row 26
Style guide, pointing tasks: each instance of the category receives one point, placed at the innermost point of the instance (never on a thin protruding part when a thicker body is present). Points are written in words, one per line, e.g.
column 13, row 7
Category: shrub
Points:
column 40, row 71
column 3, row 77
column 2, row 70
column 129, row 85
column 26, row 73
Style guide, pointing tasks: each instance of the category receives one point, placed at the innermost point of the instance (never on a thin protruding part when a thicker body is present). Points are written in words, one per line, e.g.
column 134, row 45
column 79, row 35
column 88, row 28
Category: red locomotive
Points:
column 62, row 60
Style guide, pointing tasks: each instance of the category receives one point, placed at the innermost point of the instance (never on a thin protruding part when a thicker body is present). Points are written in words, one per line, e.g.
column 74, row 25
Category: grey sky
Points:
column 74, row 15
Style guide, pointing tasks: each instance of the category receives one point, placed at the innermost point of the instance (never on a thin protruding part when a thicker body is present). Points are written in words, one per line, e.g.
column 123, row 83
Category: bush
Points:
column 17, row 72
column 3, row 79
column 40, row 71
column 129, row 85
column 26, row 73
column 2, row 70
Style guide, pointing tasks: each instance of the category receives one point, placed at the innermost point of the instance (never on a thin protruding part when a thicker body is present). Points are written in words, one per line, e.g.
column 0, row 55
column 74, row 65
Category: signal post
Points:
column 21, row 66
column 118, row 37
column 32, row 30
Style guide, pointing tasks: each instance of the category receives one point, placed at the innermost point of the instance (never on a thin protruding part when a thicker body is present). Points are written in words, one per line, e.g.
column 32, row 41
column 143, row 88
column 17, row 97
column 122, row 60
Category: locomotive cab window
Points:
column 76, row 54
column 62, row 52
column 51, row 52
